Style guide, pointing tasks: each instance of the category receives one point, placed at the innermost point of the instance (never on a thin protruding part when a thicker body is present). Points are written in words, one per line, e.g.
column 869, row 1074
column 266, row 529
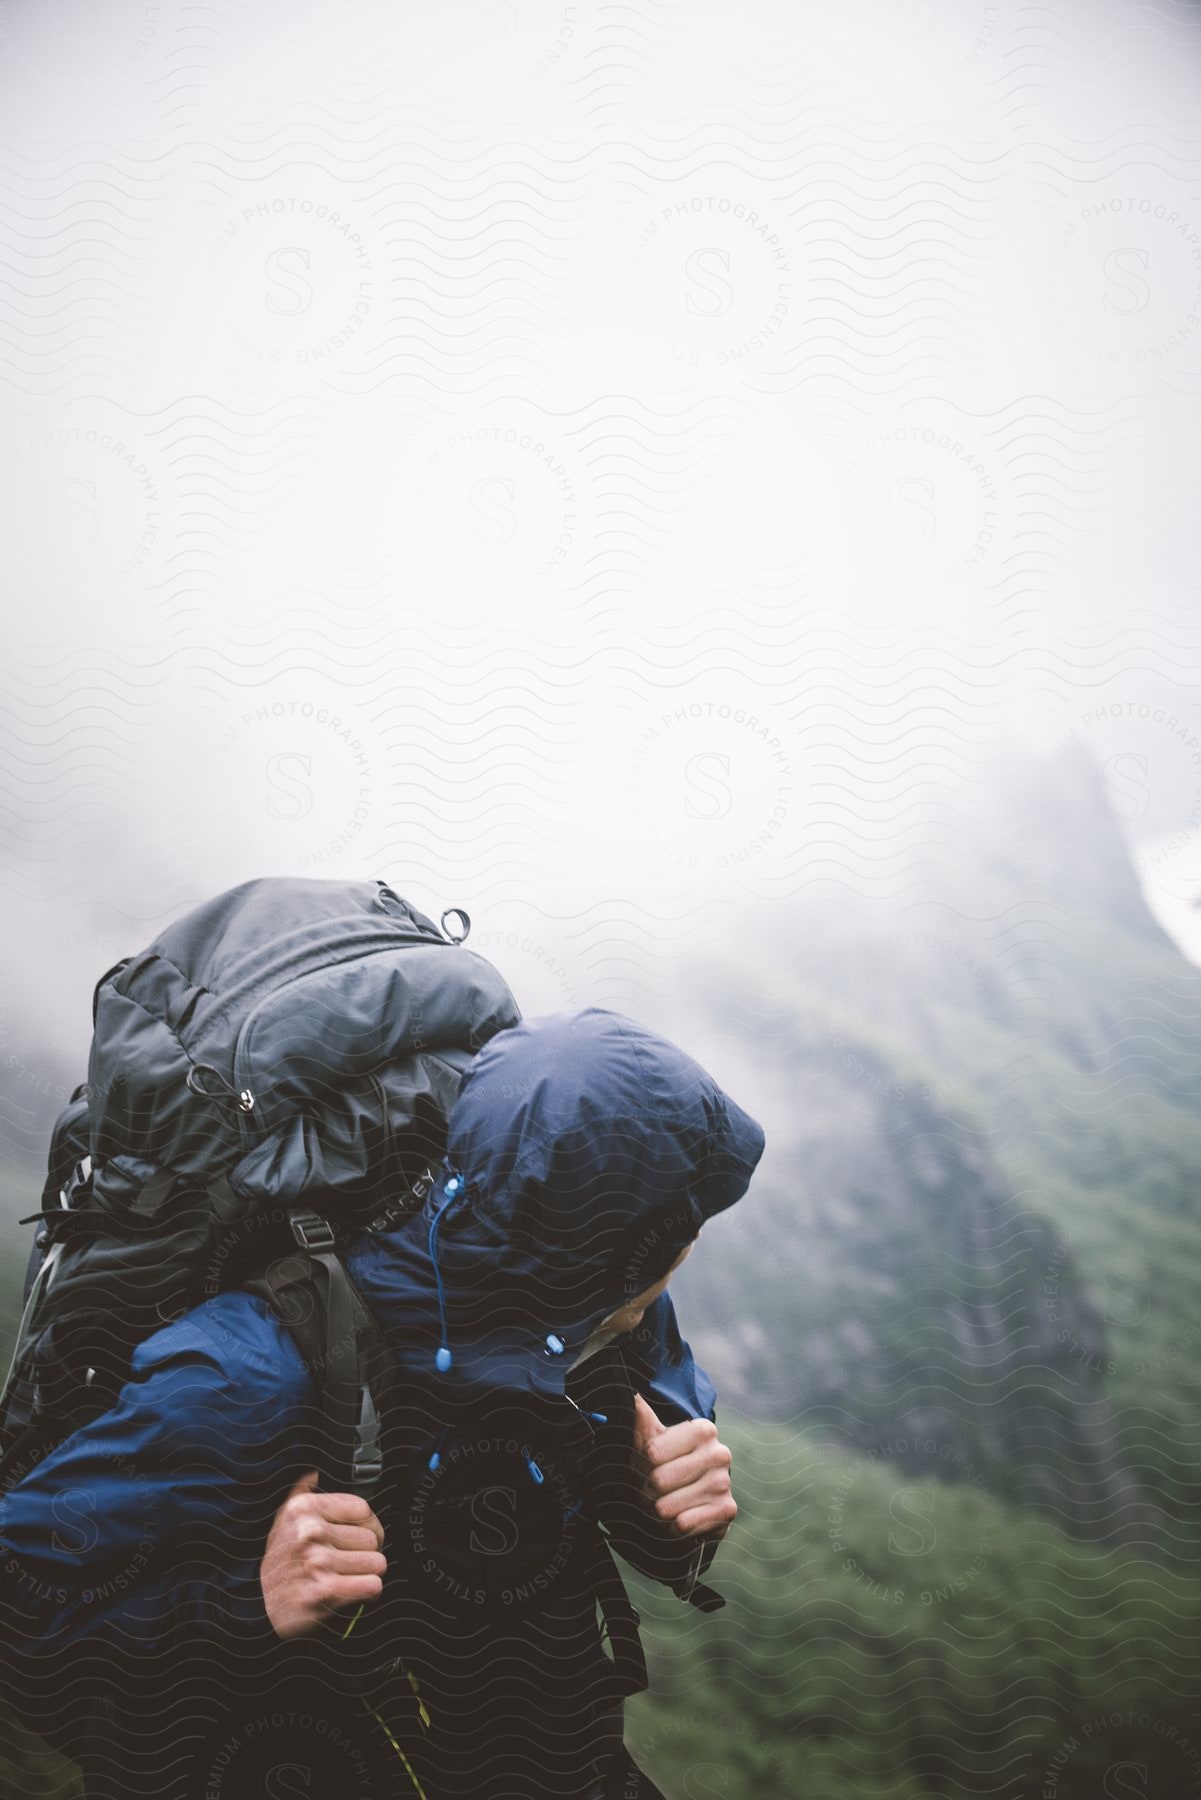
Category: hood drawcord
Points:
column 453, row 1191
column 443, row 1358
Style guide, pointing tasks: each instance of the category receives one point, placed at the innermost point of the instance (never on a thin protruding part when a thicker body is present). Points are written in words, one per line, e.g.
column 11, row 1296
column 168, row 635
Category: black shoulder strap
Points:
column 311, row 1293
column 622, row 1620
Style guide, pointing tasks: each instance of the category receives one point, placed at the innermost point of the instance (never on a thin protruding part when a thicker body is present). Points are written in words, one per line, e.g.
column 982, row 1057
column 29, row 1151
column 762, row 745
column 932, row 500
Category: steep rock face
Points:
column 893, row 1294
column 969, row 1247
column 1047, row 828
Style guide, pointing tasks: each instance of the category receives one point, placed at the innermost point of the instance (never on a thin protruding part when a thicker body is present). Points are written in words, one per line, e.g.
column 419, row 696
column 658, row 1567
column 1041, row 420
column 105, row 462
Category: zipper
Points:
column 305, row 942
column 223, row 1094
column 250, row 1130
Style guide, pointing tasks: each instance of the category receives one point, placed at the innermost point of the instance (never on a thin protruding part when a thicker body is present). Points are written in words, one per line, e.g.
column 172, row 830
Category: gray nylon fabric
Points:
column 319, row 999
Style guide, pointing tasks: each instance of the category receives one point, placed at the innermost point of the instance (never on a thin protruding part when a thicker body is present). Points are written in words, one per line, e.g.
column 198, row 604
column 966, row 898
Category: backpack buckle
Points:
column 79, row 1178
column 311, row 1231
column 367, row 1466
column 367, row 1462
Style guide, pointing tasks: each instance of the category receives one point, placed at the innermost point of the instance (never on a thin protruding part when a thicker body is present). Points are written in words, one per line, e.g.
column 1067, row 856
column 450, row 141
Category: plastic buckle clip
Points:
column 76, row 1181
column 311, row 1231
column 368, row 1466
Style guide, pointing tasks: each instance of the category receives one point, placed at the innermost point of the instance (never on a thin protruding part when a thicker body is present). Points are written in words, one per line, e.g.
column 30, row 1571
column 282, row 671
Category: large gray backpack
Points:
column 271, row 1075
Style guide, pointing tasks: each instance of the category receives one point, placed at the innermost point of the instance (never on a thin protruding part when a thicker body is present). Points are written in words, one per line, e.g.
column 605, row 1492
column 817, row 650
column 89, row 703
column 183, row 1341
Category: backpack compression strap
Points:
column 621, row 1617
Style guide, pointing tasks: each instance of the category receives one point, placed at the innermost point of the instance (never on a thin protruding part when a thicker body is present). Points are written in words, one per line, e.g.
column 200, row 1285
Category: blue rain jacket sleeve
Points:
column 151, row 1521
column 156, row 1514
column 678, row 1388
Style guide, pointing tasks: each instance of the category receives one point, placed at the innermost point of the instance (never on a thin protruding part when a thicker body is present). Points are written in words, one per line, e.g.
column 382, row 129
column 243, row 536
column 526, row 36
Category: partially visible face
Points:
column 627, row 1317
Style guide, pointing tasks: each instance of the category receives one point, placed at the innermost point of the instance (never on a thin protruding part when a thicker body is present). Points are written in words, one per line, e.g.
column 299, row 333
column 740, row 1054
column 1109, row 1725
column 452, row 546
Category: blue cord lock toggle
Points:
column 535, row 1471
column 555, row 1344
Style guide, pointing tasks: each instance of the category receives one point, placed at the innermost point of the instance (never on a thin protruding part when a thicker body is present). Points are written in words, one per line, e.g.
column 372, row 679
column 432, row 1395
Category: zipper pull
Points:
column 244, row 1100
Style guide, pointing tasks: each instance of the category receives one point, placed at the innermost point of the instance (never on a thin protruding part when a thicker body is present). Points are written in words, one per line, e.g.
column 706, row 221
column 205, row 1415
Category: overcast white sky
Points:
column 603, row 466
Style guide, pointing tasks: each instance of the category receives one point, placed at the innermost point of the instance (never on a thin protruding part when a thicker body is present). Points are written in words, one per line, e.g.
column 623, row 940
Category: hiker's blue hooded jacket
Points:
column 583, row 1153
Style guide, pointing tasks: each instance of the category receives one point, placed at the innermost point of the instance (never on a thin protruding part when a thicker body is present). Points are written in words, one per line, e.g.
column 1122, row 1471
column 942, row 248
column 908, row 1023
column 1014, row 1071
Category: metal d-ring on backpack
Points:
column 269, row 1076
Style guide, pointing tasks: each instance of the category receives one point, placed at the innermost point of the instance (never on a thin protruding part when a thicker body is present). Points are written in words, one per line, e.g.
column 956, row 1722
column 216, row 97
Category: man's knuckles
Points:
column 704, row 1431
column 345, row 1509
column 709, row 1457
column 680, row 1440
column 713, row 1486
column 322, row 1588
column 322, row 1556
column 306, row 1523
column 714, row 1515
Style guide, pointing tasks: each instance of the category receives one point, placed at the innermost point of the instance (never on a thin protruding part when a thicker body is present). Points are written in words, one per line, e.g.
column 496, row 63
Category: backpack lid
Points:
column 263, row 1035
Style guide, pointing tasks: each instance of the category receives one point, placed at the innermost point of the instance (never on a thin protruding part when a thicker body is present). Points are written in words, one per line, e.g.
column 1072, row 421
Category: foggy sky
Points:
column 610, row 468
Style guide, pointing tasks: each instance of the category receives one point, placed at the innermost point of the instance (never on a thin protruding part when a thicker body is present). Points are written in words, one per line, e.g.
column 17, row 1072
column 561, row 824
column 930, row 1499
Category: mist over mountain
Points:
column 967, row 1249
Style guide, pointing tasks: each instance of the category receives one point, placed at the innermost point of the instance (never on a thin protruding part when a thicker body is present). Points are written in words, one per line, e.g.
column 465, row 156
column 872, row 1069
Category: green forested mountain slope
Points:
column 888, row 1635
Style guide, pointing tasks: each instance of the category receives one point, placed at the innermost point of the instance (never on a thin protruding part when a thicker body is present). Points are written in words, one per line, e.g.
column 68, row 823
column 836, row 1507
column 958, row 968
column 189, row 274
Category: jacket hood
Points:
column 599, row 1149
column 583, row 1152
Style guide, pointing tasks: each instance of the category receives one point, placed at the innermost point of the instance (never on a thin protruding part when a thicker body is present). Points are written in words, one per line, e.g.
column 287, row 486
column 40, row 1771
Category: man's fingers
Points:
column 647, row 1422
column 704, row 1522
column 648, row 1430
column 681, row 1440
column 715, row 1517
column 666, row 1477
column 349, row 1590
column 712, row 1487
column 347, row 1562
column 350, row 1537
column 347, row 1509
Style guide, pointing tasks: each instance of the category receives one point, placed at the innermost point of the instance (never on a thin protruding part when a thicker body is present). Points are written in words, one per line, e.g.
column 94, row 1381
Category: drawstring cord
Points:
column 443, row 1359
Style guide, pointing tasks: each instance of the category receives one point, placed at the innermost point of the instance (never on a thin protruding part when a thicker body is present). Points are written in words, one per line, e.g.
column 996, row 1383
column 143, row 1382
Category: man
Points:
column 247, row 1634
